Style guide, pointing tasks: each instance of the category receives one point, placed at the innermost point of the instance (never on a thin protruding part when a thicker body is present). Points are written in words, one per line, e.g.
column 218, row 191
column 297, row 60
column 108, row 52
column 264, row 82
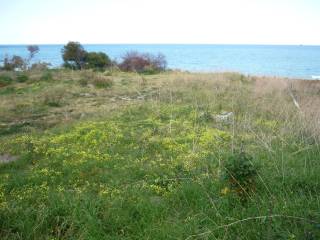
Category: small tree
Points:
column 97, row 60
column 73, row 55
column 159, row 62
column 33, row 50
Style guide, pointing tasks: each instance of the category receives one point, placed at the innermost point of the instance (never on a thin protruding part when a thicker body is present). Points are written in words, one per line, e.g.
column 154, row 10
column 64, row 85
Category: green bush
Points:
column 5, row 80
column 22, row 78
column 240, row 174
column 76, row 57
column 97, row 60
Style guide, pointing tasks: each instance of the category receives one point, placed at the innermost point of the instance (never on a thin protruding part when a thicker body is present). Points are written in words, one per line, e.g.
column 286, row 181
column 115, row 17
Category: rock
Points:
column 140, row 97
column 87, row 95
column 125, row 98
column 6, row 158
column 225, row 117
column 155, row 200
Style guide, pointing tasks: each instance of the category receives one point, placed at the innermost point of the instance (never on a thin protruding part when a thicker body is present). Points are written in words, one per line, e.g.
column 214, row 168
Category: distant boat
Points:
column 316, row 77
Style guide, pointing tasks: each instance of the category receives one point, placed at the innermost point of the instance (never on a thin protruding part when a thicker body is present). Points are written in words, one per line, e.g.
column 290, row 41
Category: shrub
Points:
column 97, row 60
column 100, row 81
column 54, row 98
column 11, row 64
column 73, row 55
column 240, row 174
column 143, row 63
column 40, row 66
column 47, row 76
column 22, row 78
column 83, row 82
column 5, row 80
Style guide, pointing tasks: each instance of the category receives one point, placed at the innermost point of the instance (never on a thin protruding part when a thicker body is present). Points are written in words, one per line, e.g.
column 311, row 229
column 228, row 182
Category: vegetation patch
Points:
column 22, row 78
column 5, row 80
column 148, row 159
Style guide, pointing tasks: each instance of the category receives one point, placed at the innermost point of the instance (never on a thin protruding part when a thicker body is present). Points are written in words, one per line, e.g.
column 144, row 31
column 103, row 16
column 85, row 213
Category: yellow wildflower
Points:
column 225, row 191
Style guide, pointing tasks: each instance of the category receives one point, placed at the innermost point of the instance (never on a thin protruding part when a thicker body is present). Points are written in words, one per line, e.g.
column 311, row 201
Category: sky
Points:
column 160, row 21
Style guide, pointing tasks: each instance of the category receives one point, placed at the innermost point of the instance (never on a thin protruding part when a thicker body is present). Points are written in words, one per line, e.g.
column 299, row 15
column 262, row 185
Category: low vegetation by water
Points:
column 175, row 155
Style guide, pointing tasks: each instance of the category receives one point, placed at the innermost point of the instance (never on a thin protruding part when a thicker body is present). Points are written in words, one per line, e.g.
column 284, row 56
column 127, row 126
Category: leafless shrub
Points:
column 14, row 63
column 40, row 66
column 143, row 62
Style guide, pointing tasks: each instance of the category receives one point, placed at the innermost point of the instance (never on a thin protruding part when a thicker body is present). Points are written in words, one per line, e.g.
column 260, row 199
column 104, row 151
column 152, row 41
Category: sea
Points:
column 301, row 62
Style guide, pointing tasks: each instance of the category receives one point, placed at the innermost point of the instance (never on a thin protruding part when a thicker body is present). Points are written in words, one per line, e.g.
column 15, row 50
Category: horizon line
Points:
column 226, row 44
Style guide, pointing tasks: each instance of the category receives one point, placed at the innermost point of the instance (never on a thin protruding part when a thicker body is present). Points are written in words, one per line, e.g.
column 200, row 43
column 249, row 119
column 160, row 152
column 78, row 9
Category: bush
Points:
column 5, row 80
column 11, row 64
column 100, row 81
column 22, row 78
column 40, row 66
column 143, row 63
column 75, row 57
column 54, row 98
column 240, row 174
column 97, row 60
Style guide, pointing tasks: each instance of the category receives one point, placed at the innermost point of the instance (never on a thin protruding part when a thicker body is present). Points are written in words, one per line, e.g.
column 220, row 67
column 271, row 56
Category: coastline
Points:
column 290, row 61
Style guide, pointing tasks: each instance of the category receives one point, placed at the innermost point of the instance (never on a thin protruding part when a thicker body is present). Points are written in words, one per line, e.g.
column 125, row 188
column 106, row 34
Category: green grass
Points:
column 144, row 158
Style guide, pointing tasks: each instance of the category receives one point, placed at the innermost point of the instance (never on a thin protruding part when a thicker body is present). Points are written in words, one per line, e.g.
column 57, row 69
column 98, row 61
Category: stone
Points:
column 226, row 117
column 6, row 158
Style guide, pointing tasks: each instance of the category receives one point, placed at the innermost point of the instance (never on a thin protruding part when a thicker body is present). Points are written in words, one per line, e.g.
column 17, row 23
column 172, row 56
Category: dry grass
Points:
column 72, row 95
column 76, row 95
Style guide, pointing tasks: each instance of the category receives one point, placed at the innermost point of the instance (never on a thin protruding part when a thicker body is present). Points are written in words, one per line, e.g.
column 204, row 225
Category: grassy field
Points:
column 126, row 156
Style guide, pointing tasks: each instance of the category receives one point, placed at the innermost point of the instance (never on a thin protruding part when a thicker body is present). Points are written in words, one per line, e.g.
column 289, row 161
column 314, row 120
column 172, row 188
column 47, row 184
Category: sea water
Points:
column 262, row 60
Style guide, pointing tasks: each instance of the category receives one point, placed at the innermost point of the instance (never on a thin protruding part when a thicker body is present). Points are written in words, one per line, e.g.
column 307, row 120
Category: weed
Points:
column 83, row 82
column 5, row 80
column 241, row 174
column 22, row 78
column 46, row 76
column 54, row 98
column 7, row 90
